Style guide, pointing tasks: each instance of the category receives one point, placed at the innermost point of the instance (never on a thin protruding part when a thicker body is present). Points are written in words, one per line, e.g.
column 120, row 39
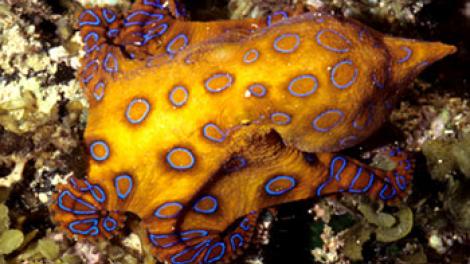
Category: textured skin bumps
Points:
column 197, row 126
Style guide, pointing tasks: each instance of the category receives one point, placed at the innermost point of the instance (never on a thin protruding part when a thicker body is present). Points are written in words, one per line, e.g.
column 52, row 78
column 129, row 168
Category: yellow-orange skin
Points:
column 140, row 149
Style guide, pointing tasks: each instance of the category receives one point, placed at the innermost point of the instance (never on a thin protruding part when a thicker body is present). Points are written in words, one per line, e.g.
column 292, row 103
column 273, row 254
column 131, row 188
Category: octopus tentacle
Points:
column 79, row 209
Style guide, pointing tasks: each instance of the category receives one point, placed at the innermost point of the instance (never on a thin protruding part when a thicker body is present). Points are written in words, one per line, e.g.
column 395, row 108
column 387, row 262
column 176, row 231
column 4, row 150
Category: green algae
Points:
column 10, row 240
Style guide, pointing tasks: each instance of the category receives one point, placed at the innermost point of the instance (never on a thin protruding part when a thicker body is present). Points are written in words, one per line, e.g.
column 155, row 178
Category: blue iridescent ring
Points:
column 333, row 73
column 321, row 115
column 95, row 37
column 158, row 212
column 228, row 83
column 109, row 15
column 113, row 68
column 222, row 134
column 330, row 48
column 98, row 91
column 126, row 180
column 253, row 90
column 143, row 116
column 180, row 167
column 90, row 12
column 356, row 177
column 105, row 146
column 408, row 51
column 247, row 57
column 169, row 47
column 301, row 77
column 93, row 230
column 282, row 37
column 215, row 205
column 272, row 181
column 236, row 245
column 171, row 96
column 269, row 19
column 286, row 118
column 208, row 259
column 110, row 224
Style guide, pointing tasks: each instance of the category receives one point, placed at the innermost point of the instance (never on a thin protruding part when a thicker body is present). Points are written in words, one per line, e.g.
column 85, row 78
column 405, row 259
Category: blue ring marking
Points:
column 240, row 241
column 98, row 193
column 114, row 67
column 244, row 224
column 356, row 177
column 384, row 190
column 206, row 211
column 270, row 17
column 281, row 123
column 202, row 233
column 400, row 181
column 144, row 115
column 80, row 189
column 158, row 213
column 376, row 82
column 130, row 183
column 199, row 247
column 341, row 36
column 408, row 164
column 169, row 49
column 96, row 37
column 346, row 141
column 106, row 224
column 252, row 87
column 361, row 34
column 300, row 77
column 333, row 175
column 319, row 129
column 93, row 230
column 286, row 35
column 97, row 21
column 173, row 91
column 128, row 23
column 248, row 53
column 89, row 77
column 153, row 238
column 109, row 15
column 333, row 73
column 408, row 51
column 222, row 134
column 184, row 167
column 154, row 3
column 80, row 201
column 99, row 143
column 219, row 89
column 112, row 33
column 158, row 31
column 267, row 186
column 218, row 257
column 98, row 91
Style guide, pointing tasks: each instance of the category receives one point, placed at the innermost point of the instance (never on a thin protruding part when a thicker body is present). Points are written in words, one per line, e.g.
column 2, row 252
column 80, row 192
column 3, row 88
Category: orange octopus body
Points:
column 191, row 132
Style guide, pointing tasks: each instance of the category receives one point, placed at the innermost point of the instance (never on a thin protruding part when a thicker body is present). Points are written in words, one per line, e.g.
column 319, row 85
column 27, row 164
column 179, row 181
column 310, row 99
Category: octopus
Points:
column 197, row 127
